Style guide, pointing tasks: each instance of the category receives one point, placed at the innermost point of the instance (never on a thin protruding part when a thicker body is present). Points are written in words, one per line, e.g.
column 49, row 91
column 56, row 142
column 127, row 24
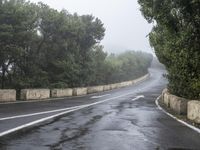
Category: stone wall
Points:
column 113, row 86
column 182, row 106
column 79, row 91
column 94, row 89
column 106, row 87
column 177, row 104
column 166, row 99
column 7, row 95
column 124, row 84
column 38, row 94
column 34, row 94
column 61, row 92
column 193, row 110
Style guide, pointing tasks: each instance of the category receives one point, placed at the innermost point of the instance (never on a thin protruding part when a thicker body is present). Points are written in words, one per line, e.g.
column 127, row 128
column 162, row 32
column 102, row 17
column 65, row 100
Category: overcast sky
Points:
column 125, row 26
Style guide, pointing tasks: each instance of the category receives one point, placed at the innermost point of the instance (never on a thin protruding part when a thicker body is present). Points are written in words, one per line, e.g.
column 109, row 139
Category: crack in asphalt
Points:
column 115, row 125
column 70, row 134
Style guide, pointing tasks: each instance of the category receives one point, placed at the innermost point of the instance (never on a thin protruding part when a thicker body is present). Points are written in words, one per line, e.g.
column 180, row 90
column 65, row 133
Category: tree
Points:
column 17, row 31
column 67, row 42
column 126, row 66
column 176, row 40
column 41, row 47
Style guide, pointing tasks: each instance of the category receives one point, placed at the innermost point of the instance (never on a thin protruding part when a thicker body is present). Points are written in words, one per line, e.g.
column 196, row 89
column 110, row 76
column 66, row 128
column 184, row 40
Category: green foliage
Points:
column 41, row 47
column 126, row 66
column 176, row 40
column 17, row 32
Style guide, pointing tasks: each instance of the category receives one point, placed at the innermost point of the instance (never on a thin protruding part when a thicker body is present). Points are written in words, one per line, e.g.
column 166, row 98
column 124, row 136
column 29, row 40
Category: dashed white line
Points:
column 138, row 97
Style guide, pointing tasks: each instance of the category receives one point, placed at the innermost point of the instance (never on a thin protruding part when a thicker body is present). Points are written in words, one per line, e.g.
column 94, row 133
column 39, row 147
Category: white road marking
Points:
column 94, row 97
column 181, row 121
column 35, row 122
column 39, row 113
column 57, row 115
column 138, row 97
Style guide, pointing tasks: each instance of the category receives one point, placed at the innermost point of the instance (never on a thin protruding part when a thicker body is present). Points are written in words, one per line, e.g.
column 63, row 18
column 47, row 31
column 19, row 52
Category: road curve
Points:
column 122, row 119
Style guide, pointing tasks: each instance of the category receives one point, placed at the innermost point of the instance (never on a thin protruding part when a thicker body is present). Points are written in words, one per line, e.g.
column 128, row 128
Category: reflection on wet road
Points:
column 125, row 123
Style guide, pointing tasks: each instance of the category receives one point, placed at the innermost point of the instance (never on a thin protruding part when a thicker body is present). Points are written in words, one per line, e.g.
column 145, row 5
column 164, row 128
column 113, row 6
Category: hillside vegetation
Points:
column 176, row 40
column 44, row 48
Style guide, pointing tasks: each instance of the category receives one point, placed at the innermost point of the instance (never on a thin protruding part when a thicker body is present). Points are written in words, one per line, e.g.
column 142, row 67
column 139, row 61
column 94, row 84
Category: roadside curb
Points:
column 172, row 116
column 148, row 75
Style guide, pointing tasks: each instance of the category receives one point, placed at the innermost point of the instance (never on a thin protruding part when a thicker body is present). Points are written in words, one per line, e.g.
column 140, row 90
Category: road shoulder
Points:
column 180, row 118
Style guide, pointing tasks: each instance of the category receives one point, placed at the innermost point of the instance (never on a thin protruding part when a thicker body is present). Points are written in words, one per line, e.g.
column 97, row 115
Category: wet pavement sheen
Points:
column 120, row 124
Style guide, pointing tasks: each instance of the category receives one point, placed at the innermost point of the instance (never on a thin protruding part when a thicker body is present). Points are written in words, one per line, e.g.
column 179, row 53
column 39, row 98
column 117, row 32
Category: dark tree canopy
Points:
column 41, row 47
column 176, row 40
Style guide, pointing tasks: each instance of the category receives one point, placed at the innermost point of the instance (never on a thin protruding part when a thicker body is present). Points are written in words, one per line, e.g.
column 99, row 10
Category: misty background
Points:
column 126, row 29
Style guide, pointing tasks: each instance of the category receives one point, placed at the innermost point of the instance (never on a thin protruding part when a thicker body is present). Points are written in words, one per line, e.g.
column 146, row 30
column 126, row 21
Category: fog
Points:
column 126, row 29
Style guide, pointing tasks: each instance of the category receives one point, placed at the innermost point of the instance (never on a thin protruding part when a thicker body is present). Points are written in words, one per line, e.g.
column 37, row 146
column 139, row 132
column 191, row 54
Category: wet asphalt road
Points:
column 122, row 123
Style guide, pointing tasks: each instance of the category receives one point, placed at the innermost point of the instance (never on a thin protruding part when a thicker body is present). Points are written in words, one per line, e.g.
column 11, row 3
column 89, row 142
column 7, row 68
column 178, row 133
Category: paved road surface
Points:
column 127, row 119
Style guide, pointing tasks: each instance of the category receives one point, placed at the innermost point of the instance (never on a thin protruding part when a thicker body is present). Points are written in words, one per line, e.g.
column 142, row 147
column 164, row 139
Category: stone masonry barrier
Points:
column 124, row 84
column 38, row 94
column 106, row 87
column 182, row 106
column 34, row 94
column 114, row 86
column 94, row 89
column 194, row 111
column 79, row 91
column 7, row 95
column 177, row 104
column 166, row 98
column 61, row 92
